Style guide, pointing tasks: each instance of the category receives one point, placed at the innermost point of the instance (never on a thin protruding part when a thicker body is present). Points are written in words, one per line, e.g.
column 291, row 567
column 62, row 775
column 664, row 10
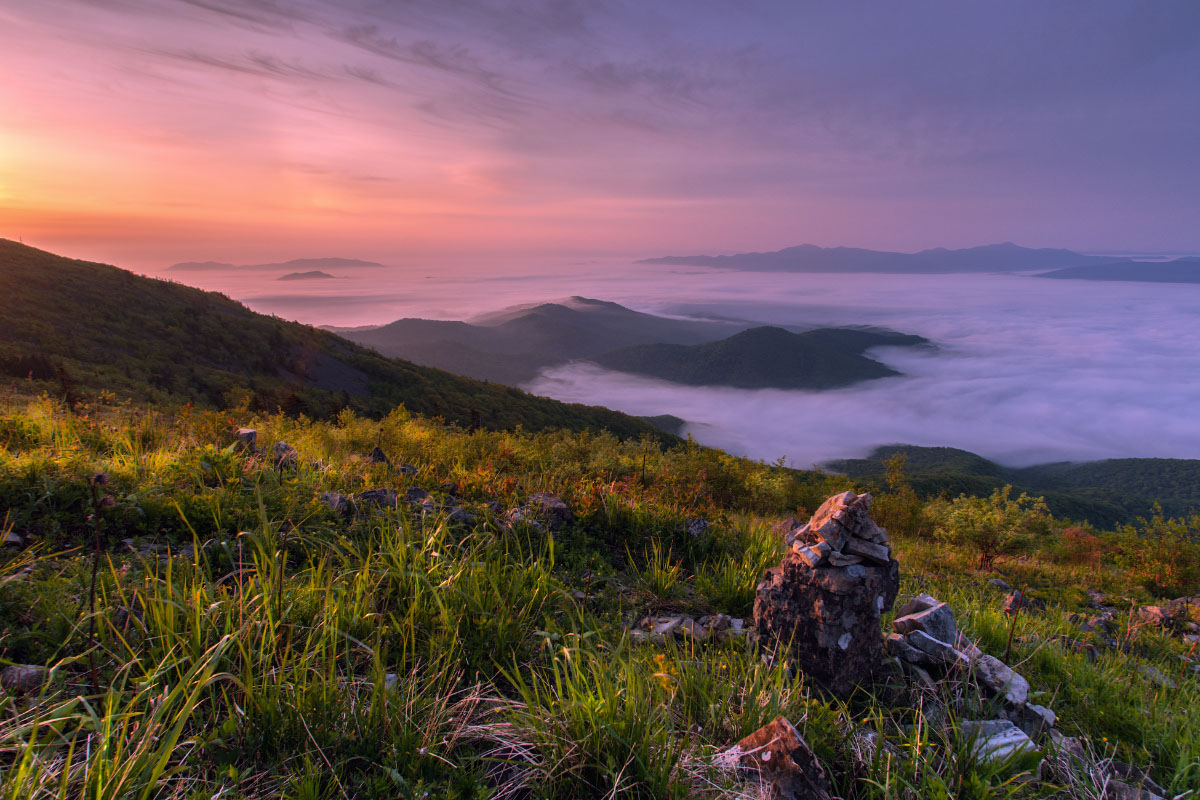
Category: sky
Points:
column 144, row 132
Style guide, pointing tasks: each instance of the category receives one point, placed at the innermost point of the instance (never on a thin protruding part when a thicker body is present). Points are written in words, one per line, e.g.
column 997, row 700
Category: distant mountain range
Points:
column 1181, row 270
column 1006, row 257
column 513, row 345
column 1108, row 492
column 314, row 275
column 296, row 264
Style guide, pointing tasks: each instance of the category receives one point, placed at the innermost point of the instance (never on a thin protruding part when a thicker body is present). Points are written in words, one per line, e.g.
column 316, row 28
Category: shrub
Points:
column 995, row 526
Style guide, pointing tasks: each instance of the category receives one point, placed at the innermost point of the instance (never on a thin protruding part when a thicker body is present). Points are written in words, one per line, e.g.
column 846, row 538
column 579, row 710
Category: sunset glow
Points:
column 157, row 131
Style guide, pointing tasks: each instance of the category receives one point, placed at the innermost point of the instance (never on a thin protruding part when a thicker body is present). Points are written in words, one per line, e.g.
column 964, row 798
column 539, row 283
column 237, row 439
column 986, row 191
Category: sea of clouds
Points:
column 1026, row 370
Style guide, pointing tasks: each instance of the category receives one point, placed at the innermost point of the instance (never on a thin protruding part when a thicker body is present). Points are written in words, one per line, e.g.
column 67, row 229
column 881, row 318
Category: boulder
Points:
column 1000, row 680
column 23, row 678
column 407, row 470
column 377, row 456
column 996, row 739
column 1153, row 615
column 378, row 498
column 780, row 755
column 245, row 439
column 551, row 508
column 918, row 604
column 415, row 495
column 696, row 527
column 283, row 455
column 338, row 503
column 937, row 621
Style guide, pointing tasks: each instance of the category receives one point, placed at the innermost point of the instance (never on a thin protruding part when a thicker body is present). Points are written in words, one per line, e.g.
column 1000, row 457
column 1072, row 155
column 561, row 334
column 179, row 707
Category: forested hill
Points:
column 77, row 327
column 1105, row 492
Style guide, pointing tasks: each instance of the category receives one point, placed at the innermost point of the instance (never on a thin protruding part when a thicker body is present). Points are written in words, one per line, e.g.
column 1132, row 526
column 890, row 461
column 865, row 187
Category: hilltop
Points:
column 766, row 358
column 514, row 344
column 1180, row 270
column 82, row 327
column 1006, row 257
column 312, row 275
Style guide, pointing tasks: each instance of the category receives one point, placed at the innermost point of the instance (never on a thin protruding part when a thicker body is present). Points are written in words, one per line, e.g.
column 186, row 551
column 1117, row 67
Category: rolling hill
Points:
column 78, row 327
column 765, row 358
column 1104, row 492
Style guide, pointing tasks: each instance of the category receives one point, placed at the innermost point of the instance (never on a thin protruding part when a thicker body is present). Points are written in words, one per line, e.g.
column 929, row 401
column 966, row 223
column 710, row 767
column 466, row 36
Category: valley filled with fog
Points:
column 1026, row 370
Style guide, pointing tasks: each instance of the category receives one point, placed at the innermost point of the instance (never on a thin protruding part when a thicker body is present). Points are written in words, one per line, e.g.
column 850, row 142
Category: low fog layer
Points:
column 1027, row 372
column 1029, row 369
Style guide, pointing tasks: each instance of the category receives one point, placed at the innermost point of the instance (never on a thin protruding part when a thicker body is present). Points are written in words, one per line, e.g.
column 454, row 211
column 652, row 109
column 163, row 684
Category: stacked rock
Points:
column 841, row 533
column 820, row 608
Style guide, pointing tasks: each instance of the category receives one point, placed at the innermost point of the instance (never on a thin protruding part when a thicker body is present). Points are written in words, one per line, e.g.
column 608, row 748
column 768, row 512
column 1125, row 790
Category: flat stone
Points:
column 843, row 560
column 996, row 740
column 781, row 757
column 998, row 678
column 880, row 554
column 1000, row 584
column 897, row 646
column 1038, row 719
column 665, row 625
column 939, row 652
column 917, row 604
column 1153, row 615
column 810, row 555
column 937, row 621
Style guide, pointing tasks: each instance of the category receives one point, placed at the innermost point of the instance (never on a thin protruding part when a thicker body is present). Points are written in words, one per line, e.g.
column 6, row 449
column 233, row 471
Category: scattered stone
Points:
column 1076, row 646
column 1019, row 602
column 937, row 651
column 1000, row 584
column 898, row 647
column 246, row 439
column 1036, row 720
column 407, row 470
column 391, row 681
column 996, row 739
column 379, row 498
column 937, row 621
column 1119, row 790
column 377, row 456
column 918, row 604
column 338, row 503
column 1153, row 615
column 1143, row 785
column 23, row 678
column 785, row 528
column 551, row 508
column 781, row 756
column 283, row 455
column 696, row 527
column 998, row 678
column 1096, row 599
column 460, row 516
column 1154, row 676
column 11, row 539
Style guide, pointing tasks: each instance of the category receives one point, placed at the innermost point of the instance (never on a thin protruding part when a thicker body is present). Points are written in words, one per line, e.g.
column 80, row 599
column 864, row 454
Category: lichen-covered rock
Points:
column 338, row 503
column 245, row 439
column 996, row 739
column 998, row 678
column 380, row 498
column 23, row 678
column 283, row 455
column 551, row 508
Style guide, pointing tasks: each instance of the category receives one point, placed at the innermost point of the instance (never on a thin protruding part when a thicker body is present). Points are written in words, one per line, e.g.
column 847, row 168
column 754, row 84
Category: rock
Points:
column 1154, row 615
column 1076, row 646
column 460, row 516
column 1000, row 584
column 377, row 456
column 936, row 650
column 998, row 678
column 842, row 560
column 786, row 529
column 391, row 682
column 918, row 604
column 1096, row 599
column 937, row 621
column 694, row 527
column 781, row 756
column 964, row 645
column 1036, row 720
column 813, row 555
column 246, row 439
column 827, row 618
column 665, row 625
column 11, row 539
column 1154, row 676
column 1119, row 790
column 878, row 553
column 283, row 455
column 551, row 508
column 996, row 739
column 693, row 630
column 415, row 495
column 898, row 647
column 1136, row 779
column 379, row 498
column 338, row 503
column 519, row 516
column 23, row 678
column 1018, row 602
column 829, row 523
column 408, row 470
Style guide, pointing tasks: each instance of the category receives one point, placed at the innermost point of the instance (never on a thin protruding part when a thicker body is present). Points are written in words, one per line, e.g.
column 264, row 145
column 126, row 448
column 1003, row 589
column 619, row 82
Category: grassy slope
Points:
column 1105, row 492
column 267, row 652
column 765, row 357
column 86, row 327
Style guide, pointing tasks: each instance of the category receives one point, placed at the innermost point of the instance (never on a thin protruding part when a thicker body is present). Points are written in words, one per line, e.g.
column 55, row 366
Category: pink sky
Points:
column 150, row 131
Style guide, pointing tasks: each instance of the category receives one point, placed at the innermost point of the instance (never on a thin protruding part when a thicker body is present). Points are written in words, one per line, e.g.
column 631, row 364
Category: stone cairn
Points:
column 821, row 606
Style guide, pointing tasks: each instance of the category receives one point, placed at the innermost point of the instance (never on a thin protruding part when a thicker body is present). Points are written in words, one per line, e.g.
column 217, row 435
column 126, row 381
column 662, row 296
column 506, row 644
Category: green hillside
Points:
column 78, row 328
column 1105, row 492
column 765, row 358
